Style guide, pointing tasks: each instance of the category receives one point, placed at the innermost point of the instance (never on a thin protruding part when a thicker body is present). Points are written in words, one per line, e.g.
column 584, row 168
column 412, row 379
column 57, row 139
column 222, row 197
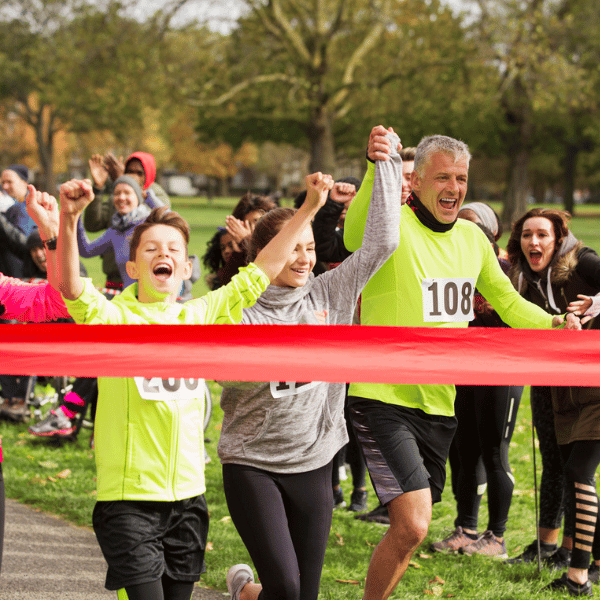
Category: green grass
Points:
column 32, row 464
column 31, row 467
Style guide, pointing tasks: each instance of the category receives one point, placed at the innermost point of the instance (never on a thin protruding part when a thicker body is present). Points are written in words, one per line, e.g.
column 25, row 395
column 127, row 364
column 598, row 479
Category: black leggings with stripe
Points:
column 581, row 460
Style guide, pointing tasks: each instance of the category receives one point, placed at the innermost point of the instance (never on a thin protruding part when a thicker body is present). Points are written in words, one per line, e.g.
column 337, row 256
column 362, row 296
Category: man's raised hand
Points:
column 75, row 195
column 379, row 144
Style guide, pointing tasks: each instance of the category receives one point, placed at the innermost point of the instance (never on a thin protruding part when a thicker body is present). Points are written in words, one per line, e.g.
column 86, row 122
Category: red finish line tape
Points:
column 475, row 356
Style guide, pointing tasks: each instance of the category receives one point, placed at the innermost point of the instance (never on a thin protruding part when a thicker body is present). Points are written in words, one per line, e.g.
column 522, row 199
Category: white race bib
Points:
column 174, row 388
column 448, row 299
column 282, row 389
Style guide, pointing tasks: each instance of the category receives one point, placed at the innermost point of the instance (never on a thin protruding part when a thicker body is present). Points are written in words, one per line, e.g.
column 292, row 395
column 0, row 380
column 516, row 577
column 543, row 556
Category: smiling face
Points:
column 161, row 264
column 300, row 262
column 125, row 198
column 443, row 186
column 253, row 216
column 538, row 243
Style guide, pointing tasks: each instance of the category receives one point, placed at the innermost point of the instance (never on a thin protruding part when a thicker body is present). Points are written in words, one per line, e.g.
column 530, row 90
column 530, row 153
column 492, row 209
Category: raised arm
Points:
column 43, row 209
column 273, row 257
column 75, row 195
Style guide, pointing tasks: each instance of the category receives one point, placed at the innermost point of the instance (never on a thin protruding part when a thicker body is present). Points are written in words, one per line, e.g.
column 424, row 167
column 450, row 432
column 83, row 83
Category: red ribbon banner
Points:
column 475, row 356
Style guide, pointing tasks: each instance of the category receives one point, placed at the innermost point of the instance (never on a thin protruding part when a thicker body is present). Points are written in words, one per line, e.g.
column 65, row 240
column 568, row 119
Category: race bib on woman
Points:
column 448, row 299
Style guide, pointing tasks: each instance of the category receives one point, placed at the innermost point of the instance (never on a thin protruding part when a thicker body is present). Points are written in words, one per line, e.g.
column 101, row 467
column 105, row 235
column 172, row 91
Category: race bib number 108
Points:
column 448, row 299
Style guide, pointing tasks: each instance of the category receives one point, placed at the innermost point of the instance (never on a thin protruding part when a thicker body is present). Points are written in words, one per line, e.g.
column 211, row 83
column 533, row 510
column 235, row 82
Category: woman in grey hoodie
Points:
column 278, row 439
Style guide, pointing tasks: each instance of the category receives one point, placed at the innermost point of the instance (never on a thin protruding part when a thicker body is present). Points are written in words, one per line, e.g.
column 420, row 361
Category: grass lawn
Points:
column 36, row 473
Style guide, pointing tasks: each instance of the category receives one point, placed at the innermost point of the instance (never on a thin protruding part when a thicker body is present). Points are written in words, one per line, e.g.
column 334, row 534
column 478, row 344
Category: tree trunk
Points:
column 322, row 146
column 44, row 137
column 570, row 167
column 515, row 203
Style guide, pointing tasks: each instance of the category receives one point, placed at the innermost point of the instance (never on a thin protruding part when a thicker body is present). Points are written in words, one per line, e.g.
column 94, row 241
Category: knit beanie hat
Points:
column 21, row 170
column 34, row 240
column 485, row 213
column 149, row 165
column 131, row 182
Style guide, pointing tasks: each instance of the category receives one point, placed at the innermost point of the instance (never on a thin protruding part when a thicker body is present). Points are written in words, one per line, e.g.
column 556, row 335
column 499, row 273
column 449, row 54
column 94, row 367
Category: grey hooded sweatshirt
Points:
column 294, row 427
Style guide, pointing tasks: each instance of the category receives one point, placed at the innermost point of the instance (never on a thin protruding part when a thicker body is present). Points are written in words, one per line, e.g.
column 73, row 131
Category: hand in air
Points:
column 98, row 170
column 238, row 230
column 379, row 144
column 75, row 195
column 43, row 209
column 342, row 192
column 317, row 188
column 115, row 166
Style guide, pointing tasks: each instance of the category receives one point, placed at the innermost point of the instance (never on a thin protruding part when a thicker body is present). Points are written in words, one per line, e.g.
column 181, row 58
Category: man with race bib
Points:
column 405, row 430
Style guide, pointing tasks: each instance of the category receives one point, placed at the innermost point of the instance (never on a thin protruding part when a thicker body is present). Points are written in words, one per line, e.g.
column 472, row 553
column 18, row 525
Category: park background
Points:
column 238, row 95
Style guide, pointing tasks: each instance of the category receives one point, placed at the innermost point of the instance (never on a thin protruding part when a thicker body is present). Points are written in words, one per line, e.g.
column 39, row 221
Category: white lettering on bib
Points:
column 174, row 388
column 448, row 299
column 282, row 389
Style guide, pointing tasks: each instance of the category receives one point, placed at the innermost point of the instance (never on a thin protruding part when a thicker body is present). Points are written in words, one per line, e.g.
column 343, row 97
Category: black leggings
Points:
column 486, row 421
column 352, row 454
column 553, row 500
column 163, row 589
column 284, row 522
column 581, row 460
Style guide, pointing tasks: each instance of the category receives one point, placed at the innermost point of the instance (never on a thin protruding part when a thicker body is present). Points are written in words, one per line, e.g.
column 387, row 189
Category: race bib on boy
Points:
column 174, row 388
column 448, row 299
column 282, row 389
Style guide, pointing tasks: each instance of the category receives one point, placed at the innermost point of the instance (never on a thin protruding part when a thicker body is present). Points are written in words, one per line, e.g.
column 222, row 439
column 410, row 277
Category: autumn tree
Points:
column 76, row 67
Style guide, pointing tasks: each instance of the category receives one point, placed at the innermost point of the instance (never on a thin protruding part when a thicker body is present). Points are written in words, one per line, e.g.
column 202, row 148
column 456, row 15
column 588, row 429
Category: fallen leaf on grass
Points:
column 425, row 556
column 20, row 443
column 47, row 464
column 436, row 590
column 437, row 579
column 350, row 581
column 371, row 544
column 209, row 546
column 225, row 519
column 37, row 480
column 414, row 564
column 340, row 540
column 64, row 474
column 52, row 479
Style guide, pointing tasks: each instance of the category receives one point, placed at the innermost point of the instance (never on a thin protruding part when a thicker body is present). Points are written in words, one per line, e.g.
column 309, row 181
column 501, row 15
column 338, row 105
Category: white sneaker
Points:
column 237, row 577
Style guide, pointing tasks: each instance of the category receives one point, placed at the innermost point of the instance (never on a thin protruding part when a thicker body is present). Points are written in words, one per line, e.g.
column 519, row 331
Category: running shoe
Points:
column 487, row 545
column 338, row 498
column 56, row 423
column 561, row 559
column 237, row 577
column 530, row 553
column 358, row 501
column 564, row 584
column 454, row 542
column 594, row 573
column 377, row 515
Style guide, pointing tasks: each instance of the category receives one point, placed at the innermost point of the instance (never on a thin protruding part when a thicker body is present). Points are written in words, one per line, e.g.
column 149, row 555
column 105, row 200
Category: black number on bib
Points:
column 171, row 387
column 447, row 303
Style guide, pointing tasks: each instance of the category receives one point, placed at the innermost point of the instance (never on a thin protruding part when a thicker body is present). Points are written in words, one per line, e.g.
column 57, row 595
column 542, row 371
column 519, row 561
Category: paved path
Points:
column 46, row 558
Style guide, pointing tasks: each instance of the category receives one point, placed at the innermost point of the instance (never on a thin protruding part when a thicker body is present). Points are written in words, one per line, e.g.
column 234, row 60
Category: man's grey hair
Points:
column 433, row 144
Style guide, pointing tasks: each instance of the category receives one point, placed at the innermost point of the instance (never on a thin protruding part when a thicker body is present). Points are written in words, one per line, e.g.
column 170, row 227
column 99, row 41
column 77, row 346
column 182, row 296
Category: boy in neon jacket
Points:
column 149, row 446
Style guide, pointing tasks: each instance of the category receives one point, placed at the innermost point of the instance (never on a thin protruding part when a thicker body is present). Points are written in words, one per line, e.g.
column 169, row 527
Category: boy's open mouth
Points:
column 162, row 271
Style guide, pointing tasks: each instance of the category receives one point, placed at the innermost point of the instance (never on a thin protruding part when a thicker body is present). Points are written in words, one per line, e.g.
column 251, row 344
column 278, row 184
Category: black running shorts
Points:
column 142, row 540
column 405, row 448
